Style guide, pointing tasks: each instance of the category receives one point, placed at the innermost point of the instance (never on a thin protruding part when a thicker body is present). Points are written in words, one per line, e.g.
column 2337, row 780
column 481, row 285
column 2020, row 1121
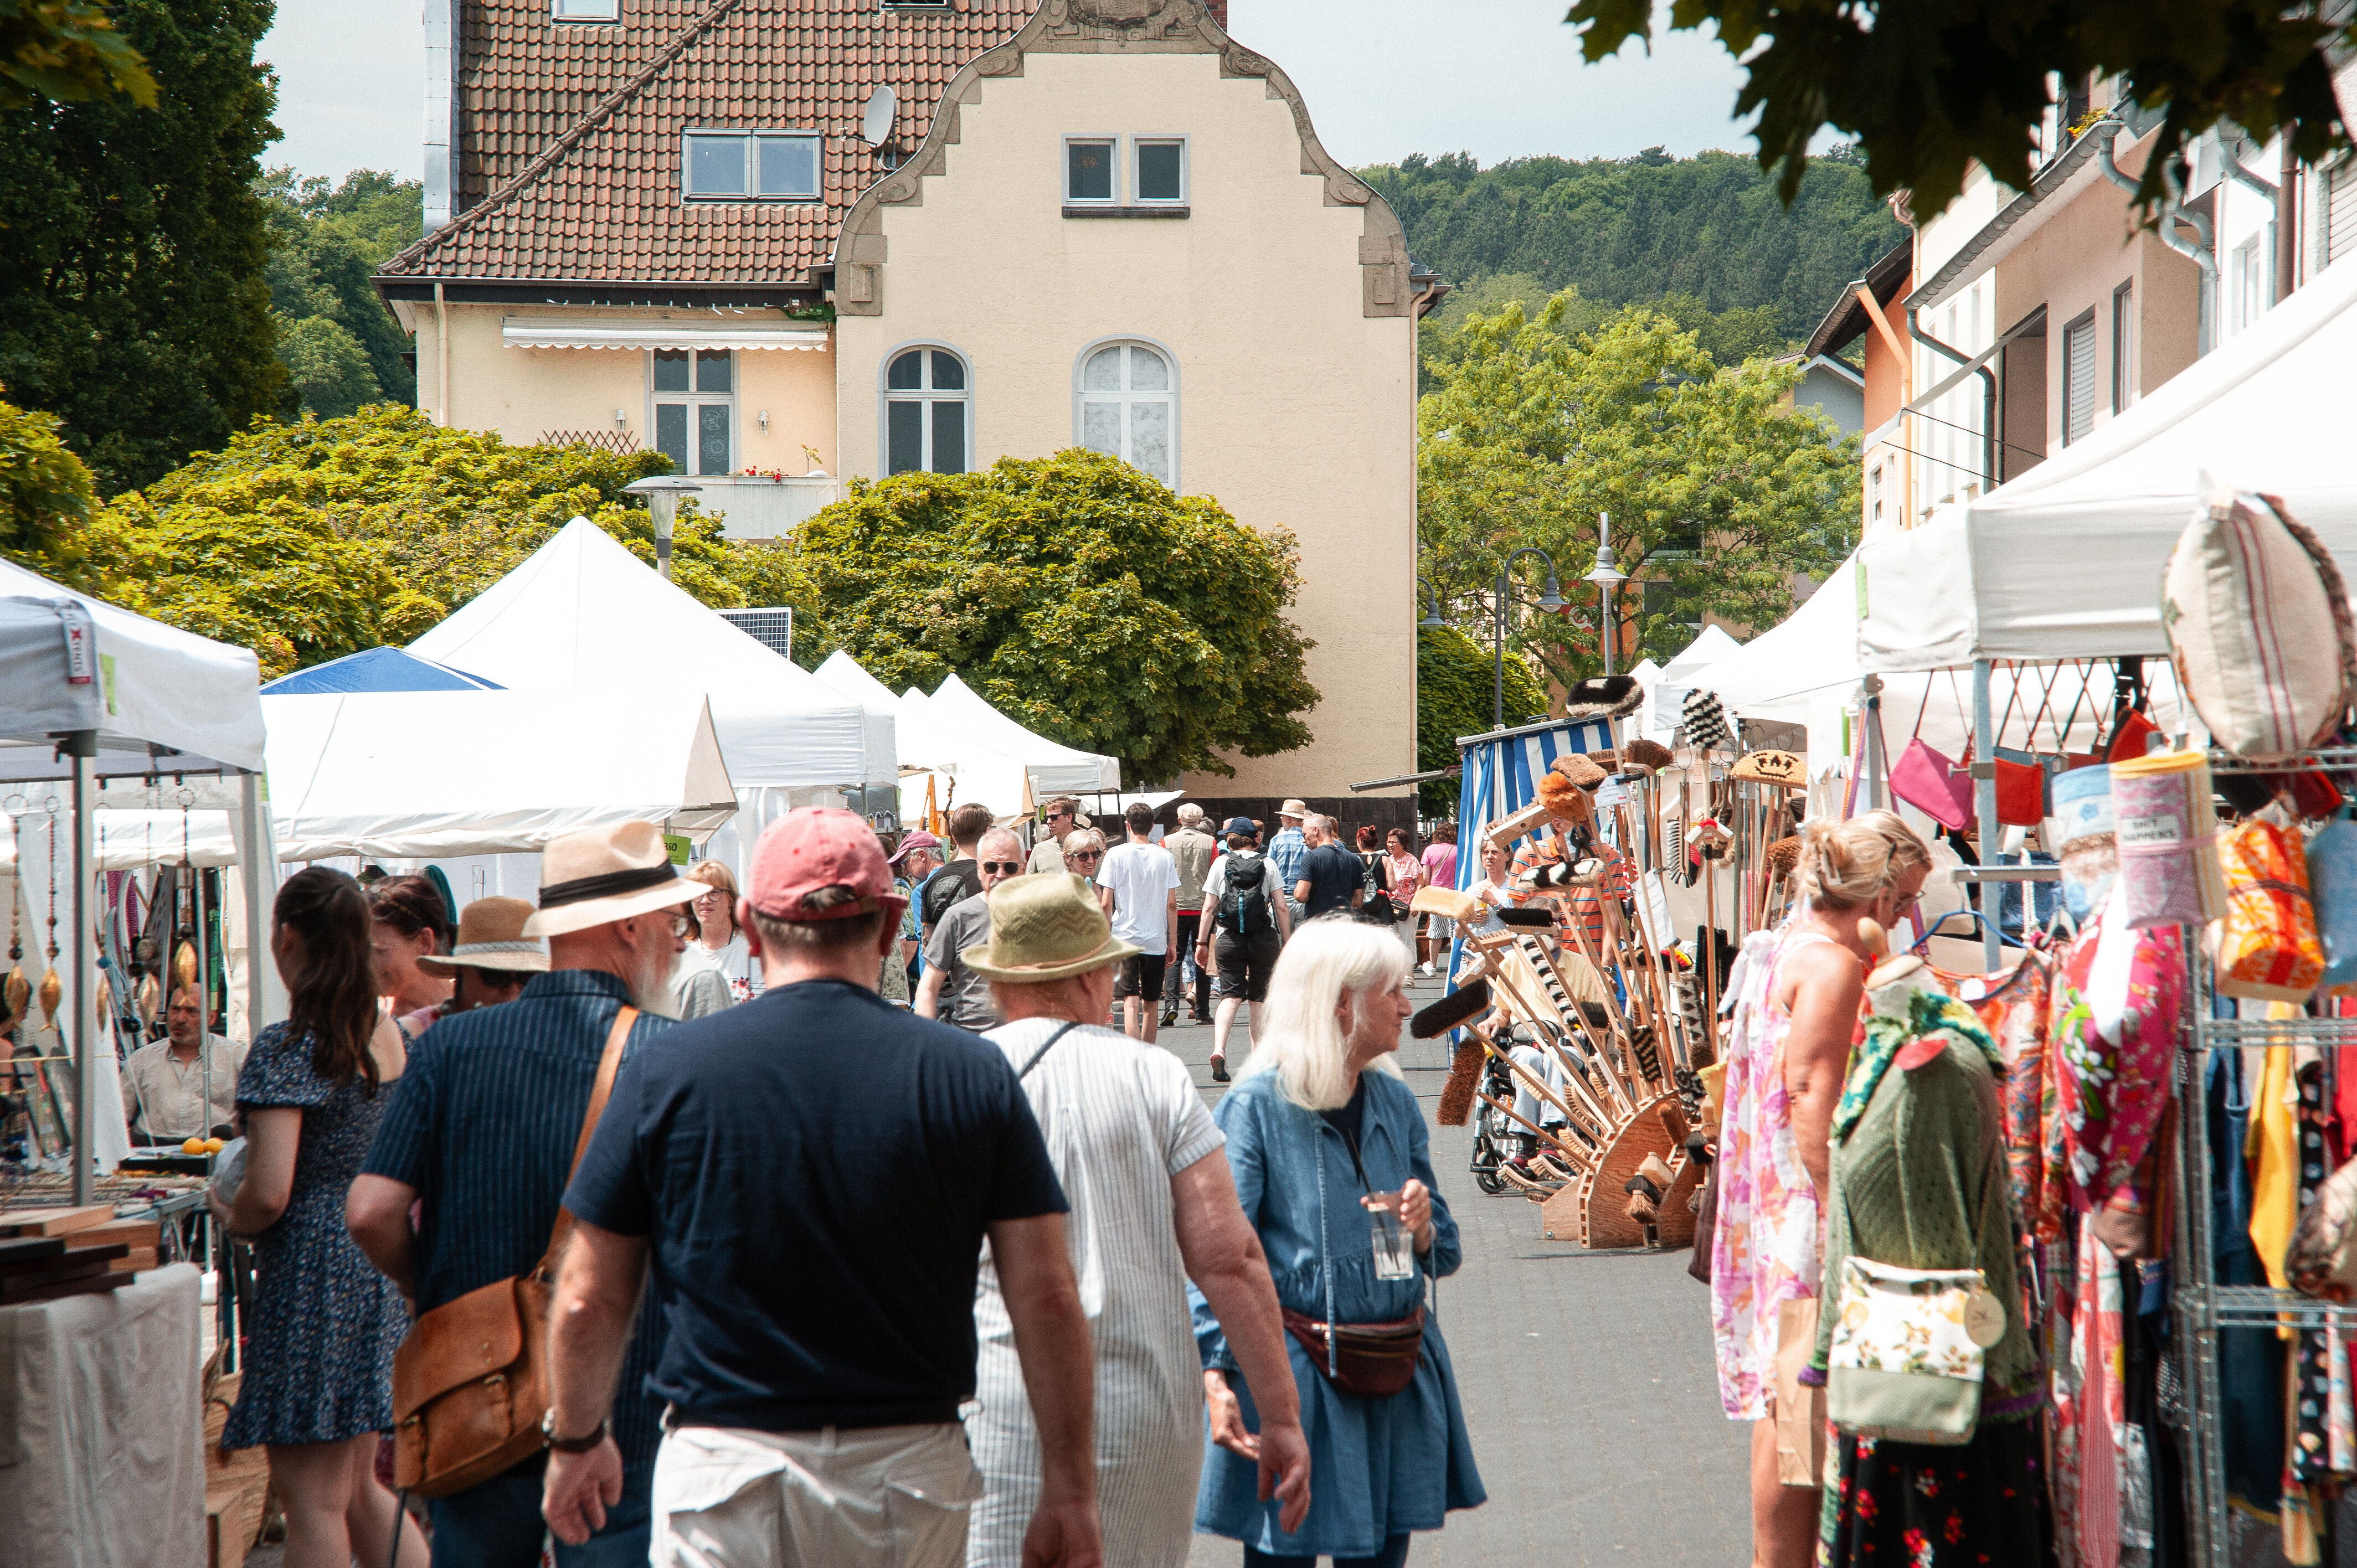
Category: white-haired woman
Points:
column 1797, row 991
column 1318, row 1124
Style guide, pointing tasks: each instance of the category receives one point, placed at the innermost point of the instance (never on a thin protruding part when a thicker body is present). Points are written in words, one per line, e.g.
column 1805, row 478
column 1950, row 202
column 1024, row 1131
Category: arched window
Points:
column 1128, row 406
column 928, row 411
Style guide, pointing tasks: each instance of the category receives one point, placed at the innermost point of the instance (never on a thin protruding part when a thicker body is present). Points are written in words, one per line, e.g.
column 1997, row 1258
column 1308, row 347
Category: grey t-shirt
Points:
column 965, row 995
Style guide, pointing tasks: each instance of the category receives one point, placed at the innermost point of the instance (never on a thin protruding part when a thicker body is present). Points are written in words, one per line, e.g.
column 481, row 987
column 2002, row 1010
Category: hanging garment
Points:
column 2014, row 1005
column 2102, row 1403
column 2250, row 1360
column 2115, row 1031
column 2274, row 1151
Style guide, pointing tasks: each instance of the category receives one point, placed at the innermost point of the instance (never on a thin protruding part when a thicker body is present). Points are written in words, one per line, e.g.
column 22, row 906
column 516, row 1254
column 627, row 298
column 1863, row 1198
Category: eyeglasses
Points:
column 681, row 925
column 1001, row 866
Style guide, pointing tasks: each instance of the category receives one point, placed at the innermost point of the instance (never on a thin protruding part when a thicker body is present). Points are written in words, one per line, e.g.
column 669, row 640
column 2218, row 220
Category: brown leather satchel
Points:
column 470, row 1383
column 1371, row 1360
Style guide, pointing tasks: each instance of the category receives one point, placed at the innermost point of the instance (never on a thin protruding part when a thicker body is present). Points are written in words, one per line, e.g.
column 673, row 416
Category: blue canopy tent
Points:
column 1503, row 769
column 377, row 670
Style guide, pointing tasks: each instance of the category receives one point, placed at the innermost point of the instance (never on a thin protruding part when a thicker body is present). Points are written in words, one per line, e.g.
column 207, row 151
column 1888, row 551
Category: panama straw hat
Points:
column 1293, row 808
column 490, row 936
column 1045, row 928
column 599, row 875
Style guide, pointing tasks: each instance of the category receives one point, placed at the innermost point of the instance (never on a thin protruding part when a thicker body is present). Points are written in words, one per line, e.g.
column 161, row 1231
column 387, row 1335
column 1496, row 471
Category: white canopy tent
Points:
column 88, row 690
column 2066, row 562
column 936, row 755
column 1054, row 768
column 584, row 614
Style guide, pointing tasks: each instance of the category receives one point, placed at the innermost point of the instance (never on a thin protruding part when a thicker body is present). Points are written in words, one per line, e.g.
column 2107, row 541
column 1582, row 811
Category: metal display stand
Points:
column 2199, row 1306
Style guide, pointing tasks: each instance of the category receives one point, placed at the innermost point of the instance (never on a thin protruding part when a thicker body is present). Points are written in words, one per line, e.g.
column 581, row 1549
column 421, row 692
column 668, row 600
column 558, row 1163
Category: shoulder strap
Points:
column 608, row 1064
column 1045, row 1045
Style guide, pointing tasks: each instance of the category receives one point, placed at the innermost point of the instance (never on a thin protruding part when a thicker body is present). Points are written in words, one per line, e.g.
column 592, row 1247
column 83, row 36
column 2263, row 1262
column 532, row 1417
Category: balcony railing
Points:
column 757, row 506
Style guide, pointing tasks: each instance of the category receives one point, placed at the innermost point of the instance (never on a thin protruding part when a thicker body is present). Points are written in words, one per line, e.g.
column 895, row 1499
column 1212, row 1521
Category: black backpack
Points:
column 1242, row 895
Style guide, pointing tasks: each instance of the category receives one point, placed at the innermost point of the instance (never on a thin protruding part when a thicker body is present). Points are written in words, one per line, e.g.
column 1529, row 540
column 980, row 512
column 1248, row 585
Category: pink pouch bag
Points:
column 1941, row 789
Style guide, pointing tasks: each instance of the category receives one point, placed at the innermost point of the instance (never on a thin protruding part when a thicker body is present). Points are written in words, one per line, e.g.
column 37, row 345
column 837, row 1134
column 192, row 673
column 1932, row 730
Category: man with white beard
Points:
column 483, row 1130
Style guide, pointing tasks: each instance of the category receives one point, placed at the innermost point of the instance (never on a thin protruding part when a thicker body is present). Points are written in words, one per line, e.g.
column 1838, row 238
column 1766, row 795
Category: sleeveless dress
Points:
column 324, row 1324
column 1764, row 1248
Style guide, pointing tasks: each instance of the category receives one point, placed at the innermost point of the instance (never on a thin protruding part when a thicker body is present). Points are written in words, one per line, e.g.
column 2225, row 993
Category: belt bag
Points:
column 1371, row 1360
column 470, row 1383
column 1903, row 1367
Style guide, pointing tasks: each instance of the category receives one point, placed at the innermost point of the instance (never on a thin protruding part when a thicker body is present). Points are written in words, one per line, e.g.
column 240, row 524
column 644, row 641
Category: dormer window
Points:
column 750, row 165
column 586, row 10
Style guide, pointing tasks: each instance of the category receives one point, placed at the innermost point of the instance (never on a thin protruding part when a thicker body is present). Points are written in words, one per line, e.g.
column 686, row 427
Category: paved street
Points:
column 1586, row 1379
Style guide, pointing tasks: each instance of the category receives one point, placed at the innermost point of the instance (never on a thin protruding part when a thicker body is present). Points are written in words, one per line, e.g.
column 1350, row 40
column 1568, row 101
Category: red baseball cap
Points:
column 815, row 847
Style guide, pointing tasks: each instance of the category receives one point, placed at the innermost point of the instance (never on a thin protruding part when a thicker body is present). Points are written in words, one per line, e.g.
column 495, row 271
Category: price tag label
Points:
column 1984, row 1317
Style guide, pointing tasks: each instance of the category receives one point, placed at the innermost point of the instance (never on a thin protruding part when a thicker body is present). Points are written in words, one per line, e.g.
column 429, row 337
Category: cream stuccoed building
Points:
column 1096, row 223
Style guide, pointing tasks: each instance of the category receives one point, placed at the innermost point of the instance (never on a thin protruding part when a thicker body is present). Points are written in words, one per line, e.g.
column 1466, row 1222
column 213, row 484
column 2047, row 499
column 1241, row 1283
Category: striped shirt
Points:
column 483, row 1123
column 1120, row 1119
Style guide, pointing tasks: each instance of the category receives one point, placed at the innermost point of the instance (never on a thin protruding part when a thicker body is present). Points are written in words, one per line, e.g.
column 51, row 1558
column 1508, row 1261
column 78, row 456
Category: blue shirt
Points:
column 1286, row 851
column 815, row 1170
column 483, row 1124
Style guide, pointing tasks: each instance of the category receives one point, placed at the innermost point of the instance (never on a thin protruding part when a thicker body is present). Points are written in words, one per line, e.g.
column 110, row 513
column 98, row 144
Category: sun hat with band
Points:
column 490, row 936
column 1045, row 928
column 818, row 847
column 595, row 875
column 1293, row 811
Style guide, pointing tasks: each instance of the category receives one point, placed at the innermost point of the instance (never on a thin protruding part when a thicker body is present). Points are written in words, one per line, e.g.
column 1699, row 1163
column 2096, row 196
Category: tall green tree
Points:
column 1629, row 230
column 339, row 344
column 133, row 304
column 66, row 51
column 1456, row 694
column 45, row 490
column 1079, row 596
column 1717, row 490
column 1928, row 89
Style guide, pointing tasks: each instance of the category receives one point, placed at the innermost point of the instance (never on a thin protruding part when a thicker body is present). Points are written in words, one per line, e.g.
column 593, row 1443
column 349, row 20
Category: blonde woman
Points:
column 1329, row 1147
column 1084, row 852
column 717, row 945
column 1797, row 992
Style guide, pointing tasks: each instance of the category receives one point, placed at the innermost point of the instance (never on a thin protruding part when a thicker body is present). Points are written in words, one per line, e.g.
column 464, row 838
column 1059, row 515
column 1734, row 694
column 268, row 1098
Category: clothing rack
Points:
column 2199, row 1306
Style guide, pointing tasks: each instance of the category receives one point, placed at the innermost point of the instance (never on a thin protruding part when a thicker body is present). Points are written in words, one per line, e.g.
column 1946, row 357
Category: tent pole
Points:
column 1877, row 766
column 1985, row 808
column 82, row 746
column 256, row 866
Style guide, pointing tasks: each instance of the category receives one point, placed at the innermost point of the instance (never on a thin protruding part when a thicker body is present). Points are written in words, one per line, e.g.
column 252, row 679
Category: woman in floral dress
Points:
column 1797, row 993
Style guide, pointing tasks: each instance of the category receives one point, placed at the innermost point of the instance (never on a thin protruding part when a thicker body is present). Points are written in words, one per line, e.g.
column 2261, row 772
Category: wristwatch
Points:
column 582, row 1444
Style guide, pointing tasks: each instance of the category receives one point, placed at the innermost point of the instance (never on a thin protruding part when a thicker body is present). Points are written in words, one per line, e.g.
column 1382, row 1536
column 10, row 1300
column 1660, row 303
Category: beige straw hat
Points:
column 600, row 874
column 490, row 936
column 1044, row 928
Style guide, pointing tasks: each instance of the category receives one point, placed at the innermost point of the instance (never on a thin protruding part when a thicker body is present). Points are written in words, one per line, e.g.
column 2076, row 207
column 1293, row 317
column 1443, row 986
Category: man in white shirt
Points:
column 1245, row 920
column 1144, row 884
column 164, row 1083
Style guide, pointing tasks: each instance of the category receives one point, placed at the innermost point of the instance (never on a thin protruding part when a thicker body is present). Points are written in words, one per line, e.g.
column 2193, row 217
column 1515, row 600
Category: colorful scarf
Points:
column 1927, row 1013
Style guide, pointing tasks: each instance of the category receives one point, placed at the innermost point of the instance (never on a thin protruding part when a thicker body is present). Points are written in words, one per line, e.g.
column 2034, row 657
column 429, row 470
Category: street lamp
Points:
column 1608, row 577
column 1551, row 600
column 1431, row 621
column 662, row 492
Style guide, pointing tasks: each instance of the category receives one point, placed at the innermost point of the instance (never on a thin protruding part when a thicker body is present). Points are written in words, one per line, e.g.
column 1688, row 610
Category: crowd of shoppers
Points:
column 1013, row 1215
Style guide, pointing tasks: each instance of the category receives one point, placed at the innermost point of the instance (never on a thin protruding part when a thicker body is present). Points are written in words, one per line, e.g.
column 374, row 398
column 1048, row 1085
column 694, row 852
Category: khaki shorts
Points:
column 1800, row 1407
column 886, row 1496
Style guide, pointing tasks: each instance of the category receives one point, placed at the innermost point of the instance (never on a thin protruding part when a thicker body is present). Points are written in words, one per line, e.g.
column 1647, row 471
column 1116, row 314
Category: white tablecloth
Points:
column 101, row 1442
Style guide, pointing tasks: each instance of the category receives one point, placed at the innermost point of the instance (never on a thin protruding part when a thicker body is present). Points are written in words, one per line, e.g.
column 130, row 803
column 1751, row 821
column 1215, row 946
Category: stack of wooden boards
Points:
column 49, row 1252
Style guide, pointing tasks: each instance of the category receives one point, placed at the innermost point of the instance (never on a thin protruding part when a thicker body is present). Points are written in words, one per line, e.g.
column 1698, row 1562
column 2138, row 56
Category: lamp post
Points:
column 662, row 492
column 1550, row 600
column 1607, row 578
column 1431, row 620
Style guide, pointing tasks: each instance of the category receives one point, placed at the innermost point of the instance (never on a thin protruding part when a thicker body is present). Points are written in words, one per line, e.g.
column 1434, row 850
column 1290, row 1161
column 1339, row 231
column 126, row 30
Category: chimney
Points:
column 1219, row 10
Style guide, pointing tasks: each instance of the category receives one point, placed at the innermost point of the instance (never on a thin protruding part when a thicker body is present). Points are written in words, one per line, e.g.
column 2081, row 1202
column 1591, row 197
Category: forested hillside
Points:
column 1640, row 229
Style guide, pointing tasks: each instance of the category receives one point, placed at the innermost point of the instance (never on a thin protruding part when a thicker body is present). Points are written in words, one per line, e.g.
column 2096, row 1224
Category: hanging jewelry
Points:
column 148, row 995
column 16, row 993
column 52, row 988
column 184, row 878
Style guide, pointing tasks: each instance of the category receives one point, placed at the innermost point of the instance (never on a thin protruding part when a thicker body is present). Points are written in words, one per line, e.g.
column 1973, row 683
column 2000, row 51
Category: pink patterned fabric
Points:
column 2113, row 1053
column 1764, row 1248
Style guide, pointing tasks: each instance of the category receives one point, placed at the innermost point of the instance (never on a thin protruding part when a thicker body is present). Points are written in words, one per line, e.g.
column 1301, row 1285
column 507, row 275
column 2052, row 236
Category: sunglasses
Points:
column 1002, row 866
column 1085, row 855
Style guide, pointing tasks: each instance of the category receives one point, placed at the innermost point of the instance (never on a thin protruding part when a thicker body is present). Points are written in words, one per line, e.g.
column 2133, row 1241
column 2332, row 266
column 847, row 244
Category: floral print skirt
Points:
column 1911, row 1505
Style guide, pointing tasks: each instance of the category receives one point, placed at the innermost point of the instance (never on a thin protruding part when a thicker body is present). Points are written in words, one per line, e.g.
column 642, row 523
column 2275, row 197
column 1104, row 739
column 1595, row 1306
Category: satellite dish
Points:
column 876, row 120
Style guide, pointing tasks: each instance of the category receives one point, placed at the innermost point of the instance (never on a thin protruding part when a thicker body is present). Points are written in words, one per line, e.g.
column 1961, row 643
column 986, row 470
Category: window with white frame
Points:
column 1874, row 495
column 928, row 411
column 1158, row 170
column 2079, row 378
column 693, row 393
column 1088, row 169
column 1128, row 407
column 2124, row 385
column 749, row 165
column 586, row 10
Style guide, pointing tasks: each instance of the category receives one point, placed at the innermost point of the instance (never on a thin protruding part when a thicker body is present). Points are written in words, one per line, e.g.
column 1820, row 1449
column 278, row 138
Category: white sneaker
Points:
column 1424, row 969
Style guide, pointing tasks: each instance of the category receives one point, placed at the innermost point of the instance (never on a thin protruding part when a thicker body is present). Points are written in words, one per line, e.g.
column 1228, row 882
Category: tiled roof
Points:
column 569, row 146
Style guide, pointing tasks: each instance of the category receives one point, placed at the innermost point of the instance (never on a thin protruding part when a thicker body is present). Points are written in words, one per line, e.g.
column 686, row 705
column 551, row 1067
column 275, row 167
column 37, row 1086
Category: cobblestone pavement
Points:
column 1586, row 1379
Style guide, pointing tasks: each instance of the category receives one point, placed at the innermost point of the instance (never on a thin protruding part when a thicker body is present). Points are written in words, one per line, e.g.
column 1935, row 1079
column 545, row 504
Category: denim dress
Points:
column 1378, row 1467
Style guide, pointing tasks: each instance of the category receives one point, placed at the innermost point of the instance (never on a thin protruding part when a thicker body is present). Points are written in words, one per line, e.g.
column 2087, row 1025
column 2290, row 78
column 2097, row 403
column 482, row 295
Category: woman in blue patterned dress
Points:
column 324, row 1324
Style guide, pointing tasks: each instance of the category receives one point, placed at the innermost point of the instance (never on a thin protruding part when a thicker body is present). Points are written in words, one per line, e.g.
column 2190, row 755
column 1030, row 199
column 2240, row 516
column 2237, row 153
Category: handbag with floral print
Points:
column 1907, row 1350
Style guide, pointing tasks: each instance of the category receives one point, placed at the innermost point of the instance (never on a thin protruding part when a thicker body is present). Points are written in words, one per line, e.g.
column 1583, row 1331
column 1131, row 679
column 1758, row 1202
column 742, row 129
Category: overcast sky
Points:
column 1500, row 78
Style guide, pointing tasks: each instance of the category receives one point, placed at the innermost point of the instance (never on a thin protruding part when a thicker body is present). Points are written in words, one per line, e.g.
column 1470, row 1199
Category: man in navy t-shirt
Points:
column 1331, row 876
column 811, row 1175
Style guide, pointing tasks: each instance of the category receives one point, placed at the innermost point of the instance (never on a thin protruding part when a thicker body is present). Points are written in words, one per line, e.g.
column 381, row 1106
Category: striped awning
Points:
column 721, row 332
